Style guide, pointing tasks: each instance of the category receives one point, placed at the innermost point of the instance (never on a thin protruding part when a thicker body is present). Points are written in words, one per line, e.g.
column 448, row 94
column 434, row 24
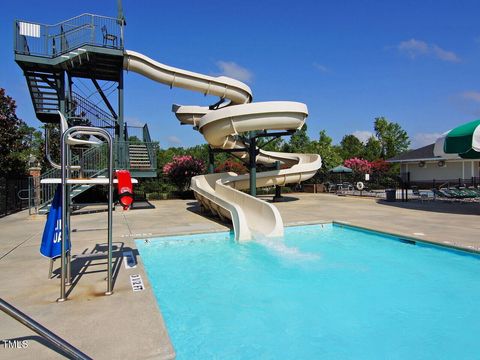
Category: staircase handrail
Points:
column 151, row 147
column 94, row 111
column 89, row 155
column 39, row 38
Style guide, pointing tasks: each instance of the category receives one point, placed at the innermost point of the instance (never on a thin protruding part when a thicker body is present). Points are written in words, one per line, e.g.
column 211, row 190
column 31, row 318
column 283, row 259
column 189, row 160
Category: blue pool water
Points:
column 320, row 293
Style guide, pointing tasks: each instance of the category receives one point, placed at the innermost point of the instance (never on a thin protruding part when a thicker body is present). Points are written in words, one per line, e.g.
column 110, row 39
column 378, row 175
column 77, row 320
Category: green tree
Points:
column 393, row 139
column 134, row 139
column 271, row 144
column 16, row 138
column 373, row 149
column 330, row 154
column 299, row 141
column 351, row 147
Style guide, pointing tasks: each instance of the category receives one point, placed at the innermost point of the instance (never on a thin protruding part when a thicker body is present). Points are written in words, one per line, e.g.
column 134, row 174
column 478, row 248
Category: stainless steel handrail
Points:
column 41, row 330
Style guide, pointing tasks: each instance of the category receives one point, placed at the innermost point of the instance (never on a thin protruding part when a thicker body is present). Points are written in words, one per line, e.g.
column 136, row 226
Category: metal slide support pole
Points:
column 253, row 165
column 122, row 160
column 211, row 161
column 54, row 339
column 278, row 188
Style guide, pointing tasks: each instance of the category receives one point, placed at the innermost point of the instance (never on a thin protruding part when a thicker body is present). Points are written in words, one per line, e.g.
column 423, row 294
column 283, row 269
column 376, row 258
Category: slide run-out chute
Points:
column 221, row 193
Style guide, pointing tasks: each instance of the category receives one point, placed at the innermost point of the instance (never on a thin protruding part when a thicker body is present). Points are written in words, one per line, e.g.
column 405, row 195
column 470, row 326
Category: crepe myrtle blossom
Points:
column 181, row 170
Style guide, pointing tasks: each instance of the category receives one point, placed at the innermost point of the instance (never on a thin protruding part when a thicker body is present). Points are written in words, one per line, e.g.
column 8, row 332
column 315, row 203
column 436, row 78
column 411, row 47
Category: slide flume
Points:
column 221, row 193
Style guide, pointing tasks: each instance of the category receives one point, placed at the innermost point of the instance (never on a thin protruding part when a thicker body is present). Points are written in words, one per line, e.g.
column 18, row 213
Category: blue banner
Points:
column 51, row 246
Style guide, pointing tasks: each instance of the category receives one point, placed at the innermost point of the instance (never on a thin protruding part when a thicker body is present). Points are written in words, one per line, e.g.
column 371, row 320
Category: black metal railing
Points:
column 82, row 109
column 13, row 195
column 473, row 181
column 53, row 40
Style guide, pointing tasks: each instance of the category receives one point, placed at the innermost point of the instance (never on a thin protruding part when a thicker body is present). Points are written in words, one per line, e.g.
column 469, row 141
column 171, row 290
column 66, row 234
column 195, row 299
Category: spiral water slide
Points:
column 221, row 193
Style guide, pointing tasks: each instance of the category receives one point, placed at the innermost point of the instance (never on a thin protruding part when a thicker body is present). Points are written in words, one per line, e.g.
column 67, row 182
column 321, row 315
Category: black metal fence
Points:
column 13, row 195
column 473, row 181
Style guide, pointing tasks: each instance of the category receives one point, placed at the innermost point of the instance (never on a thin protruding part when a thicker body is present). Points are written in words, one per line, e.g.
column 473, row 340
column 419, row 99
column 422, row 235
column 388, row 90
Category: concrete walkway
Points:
column 128, row 324
column 124, row 325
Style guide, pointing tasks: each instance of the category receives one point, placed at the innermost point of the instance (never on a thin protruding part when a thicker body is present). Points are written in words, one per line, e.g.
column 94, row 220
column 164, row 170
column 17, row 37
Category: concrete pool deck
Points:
column 128, row 324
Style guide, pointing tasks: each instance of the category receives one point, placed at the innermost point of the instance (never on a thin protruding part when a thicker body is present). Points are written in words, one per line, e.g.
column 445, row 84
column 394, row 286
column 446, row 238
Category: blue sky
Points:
column 415, row 62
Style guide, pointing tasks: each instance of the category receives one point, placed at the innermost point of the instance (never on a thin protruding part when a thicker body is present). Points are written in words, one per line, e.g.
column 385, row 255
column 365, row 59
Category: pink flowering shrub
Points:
column 181, row 170
column 379, row 166
column 359, row 165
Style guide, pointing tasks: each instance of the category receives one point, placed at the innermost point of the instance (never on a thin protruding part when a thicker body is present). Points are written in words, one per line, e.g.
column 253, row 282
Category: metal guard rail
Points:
column 32, row 38
column 41, row 330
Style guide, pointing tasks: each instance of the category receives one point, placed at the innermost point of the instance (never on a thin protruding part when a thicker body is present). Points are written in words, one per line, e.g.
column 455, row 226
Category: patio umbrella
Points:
column 462, row 141
column 340, row 169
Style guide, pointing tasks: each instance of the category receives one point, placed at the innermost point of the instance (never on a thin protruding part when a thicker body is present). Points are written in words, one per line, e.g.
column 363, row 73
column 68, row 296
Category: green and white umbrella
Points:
column 463, row 141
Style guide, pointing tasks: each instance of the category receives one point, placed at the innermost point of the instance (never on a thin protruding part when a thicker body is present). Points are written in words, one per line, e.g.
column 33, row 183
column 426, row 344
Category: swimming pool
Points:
column 321, row 292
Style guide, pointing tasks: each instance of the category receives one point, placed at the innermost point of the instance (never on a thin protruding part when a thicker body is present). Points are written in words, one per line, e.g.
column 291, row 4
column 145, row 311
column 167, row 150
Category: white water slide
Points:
column 221, row 193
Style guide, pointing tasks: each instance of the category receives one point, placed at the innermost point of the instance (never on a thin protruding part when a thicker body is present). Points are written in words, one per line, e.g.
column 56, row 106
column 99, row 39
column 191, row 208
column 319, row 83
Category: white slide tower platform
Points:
column 221, row 193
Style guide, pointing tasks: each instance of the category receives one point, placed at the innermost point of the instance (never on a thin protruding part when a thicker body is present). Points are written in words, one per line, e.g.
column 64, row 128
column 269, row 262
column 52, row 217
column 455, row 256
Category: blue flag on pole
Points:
column 52, row 234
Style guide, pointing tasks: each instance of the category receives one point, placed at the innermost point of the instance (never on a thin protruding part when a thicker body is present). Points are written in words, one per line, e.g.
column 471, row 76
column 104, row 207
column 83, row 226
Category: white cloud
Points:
column 173, row 140
column 467, row 102
column 444, row 54
column 471, row 95
column 423, row 139
column 233, row 70
column 321, row 68
column 363, row 135
column 414, row 48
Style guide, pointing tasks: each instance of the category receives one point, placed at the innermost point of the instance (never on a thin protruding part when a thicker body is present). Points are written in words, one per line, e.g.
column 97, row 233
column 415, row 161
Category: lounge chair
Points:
column 422, row 195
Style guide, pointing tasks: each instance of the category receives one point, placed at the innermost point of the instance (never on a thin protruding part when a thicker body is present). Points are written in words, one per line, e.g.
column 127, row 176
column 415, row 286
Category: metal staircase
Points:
column 43, row 87
column 139, row 157
column 88, row 47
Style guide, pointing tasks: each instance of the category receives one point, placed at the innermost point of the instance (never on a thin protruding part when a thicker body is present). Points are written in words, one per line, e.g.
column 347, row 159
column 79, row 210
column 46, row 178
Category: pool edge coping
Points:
column 407, row 237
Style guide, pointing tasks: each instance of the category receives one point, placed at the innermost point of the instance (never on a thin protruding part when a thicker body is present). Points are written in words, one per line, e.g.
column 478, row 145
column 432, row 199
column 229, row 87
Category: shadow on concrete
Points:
column 82, row 209
column 283, row 198
column 95, row 261
column 142, row 204
column 440, row 206
column 195, row 208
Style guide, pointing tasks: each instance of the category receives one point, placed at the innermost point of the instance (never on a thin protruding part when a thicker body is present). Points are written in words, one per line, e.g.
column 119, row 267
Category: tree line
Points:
column 18, row 142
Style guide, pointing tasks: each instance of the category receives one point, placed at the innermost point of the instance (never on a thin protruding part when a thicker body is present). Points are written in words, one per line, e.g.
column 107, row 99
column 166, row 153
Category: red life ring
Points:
column 125, row 188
